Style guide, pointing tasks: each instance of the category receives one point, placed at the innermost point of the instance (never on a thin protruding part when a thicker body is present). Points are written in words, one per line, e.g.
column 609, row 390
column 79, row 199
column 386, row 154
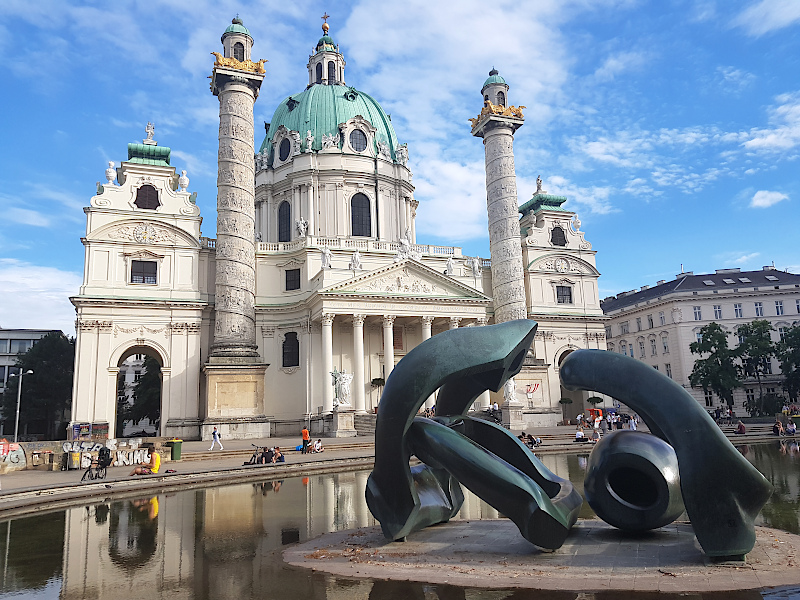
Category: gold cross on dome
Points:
column 325, row 17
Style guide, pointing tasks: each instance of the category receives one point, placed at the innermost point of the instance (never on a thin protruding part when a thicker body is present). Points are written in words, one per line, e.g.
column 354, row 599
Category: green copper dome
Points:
column 321, row 108
column 237, row 26
column 326, row 43
column 494, row 77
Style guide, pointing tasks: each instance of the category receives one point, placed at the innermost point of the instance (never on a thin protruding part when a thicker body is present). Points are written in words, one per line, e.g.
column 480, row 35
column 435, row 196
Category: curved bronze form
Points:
column 463, row 363
column 722, row 491
column 632, row 481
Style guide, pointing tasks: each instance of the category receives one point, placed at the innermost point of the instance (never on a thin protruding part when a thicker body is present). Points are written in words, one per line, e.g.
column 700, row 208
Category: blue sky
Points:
column 672, row 126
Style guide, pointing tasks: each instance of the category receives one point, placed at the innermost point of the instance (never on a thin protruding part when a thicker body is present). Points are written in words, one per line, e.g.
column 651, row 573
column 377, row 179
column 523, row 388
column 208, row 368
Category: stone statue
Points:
column 341, row 382
column 355, row 261
column 326, row 257
column 330, row 141
column 183, row 181
column 111, row 173
column 450, row 268
column 302, row 227
column 539, row 184
column 510, row 391
column 384, row 151
column 150, row 130
column 576, row 222
column 259, row 237
column 474, row 263
column 403, row 252
column 407, row 234
column 309, row 140
column 401, row 152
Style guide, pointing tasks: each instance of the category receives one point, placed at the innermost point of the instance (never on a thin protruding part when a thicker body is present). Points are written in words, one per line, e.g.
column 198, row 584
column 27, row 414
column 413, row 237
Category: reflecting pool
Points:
column 226, row 542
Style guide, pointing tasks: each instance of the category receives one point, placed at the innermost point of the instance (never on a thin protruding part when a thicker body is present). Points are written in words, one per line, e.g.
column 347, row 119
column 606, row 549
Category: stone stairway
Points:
column 365, row 424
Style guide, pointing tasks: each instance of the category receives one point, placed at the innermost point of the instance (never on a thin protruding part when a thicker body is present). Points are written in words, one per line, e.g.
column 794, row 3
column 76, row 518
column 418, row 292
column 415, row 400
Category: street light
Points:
column 19, row 396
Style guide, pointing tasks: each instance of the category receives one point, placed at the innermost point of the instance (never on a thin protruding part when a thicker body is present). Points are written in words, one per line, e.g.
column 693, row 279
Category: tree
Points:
column 717, row 371
column 755, row 350
column 788, row 353
column 594, row 400
column 47, row 393
column 146, row 394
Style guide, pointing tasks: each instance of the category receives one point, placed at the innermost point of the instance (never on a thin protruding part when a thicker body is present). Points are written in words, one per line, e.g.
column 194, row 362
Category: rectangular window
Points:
column 741, row 339
column 638, row 323
column 662, row 319
column 20, row 346
column 768, row 366
column 292, row 279
column 797, row 305
column 608, row 331
column 137, row 375
column 779, row 307
column 641, row 349
column 653, row 350
column 630, row 350
column 759, row 309
column 144, row 271
column 650, row 319
column 737, row 311
column 3, row 346
column 2, row 375
column 668, row 370
column 397, row 337
column 564, row 294
column 709, row 395
column 698, row 313
column 665, row 344
column 750, row 394
column 623, row 327
column 717, row 311
column 655, row 367
column 699, row 337
column 782, row 332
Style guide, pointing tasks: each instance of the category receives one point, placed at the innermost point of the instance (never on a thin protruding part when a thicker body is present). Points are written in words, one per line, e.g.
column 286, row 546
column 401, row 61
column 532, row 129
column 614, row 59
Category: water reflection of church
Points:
column 320, row 269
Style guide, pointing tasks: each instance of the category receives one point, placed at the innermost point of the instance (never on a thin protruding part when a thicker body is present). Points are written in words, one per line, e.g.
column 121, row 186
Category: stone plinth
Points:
column 340, row 423
column 513, row 417
column 235, row 399
column 492, row 554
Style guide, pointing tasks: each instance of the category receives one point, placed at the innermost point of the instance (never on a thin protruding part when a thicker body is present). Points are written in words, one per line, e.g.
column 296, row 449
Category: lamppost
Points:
column 19, row 396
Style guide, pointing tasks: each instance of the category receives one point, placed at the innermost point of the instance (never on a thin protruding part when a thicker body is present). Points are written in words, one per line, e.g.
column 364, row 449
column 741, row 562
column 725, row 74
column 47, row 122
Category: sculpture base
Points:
column 513, row 417
column 340, row 423
column 492, row 554
column 234, row 400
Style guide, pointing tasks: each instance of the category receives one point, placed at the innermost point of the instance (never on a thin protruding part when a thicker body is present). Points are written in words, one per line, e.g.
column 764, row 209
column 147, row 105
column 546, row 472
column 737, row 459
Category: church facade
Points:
column 336, row 281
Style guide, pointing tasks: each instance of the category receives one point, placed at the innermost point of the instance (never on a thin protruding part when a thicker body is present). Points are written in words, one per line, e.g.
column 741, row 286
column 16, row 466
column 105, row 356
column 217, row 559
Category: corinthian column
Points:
column 359, row 403
column 497, row 131
column 234, row 298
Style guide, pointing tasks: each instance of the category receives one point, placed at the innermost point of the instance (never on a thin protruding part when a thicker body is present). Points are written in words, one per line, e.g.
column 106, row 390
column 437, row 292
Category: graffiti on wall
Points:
column 12, row 456
column 122, row 457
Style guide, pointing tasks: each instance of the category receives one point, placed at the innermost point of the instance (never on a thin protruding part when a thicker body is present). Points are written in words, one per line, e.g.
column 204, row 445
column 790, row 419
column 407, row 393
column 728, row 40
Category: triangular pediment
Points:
column 407, row 278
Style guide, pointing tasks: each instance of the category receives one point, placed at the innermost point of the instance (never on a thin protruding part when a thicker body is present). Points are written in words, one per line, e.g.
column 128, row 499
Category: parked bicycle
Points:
column 98, row 466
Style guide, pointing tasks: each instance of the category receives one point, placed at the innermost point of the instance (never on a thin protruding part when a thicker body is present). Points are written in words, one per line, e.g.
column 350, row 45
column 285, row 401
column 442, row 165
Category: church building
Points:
column 316, row 284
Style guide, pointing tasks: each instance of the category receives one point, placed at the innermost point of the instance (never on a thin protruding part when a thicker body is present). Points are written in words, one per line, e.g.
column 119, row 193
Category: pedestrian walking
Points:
column 306, row 439
column 215, row 439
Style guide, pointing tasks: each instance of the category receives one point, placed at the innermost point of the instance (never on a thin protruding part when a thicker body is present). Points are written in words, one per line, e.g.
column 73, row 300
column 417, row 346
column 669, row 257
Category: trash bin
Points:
column 175, row 445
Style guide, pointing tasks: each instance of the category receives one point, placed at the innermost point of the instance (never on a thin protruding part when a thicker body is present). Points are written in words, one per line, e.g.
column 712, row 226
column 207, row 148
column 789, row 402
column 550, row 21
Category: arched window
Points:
column 291, row 350
column 361, row 219
column 501, row 98
column 284, row 222
column 319, row 72
column 147, row 197
column 358, row 140
column 331, row 73
column 238, row 51
column 485, row 98
column 557, row 237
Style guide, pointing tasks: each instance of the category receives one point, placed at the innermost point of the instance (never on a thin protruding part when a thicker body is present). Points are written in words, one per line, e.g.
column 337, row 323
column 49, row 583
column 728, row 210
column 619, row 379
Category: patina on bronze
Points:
column 722, row 491
column 490, row 461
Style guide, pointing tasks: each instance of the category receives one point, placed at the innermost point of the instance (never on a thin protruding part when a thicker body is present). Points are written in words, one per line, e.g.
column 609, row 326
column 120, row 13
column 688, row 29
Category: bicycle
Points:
column 97, row 468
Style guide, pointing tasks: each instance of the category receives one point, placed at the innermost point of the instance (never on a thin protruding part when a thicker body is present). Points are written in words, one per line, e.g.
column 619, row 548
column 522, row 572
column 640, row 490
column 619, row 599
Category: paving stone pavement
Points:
column 595, row 557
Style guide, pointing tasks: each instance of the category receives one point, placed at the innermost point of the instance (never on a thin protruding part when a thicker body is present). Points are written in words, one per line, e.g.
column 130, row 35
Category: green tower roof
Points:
column 321, row 108
column 494, row 77
column 326, row 43
column 147, row 154
column 237, row 26
column 543, row 202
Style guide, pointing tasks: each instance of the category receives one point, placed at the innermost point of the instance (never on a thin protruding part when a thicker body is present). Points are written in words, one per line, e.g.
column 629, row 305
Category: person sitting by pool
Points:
column 318, row 447
column 740, row 428
column 532, row 441
column 278, row 456
column 579, row 436
column 777, row 428
column 151, row 467
column 791, row 428
column 595, row 436
column 266, row 456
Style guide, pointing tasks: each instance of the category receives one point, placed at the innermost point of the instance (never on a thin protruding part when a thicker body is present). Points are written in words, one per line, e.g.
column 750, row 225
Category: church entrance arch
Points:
column 140, row 389
column 571, row 402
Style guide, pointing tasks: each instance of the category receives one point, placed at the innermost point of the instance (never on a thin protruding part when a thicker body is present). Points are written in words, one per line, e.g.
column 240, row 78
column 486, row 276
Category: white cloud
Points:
column 765, row 199
column 785, row 131
column 26, row 216
column 194, row 165
column 745, row 258
column 735, row 79
column 37, row 297
column 767, row 16
column 620, row 63
column 595, row 199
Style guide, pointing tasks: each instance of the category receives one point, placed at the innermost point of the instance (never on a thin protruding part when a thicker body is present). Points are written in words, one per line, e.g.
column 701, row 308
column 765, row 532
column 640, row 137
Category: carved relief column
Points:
column 388, row 345
column 234, row 326
column 359, row 403
column 427, row 322
column 508, row 292
column 327, row 363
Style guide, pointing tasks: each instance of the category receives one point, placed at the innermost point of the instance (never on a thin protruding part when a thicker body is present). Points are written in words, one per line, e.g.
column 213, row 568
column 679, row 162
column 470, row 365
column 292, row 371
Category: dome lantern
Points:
column 326, row 65
column 495, row 89
column 237, row 41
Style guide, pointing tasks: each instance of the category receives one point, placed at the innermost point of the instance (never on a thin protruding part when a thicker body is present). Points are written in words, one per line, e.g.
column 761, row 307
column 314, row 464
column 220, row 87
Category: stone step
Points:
column 246, row 454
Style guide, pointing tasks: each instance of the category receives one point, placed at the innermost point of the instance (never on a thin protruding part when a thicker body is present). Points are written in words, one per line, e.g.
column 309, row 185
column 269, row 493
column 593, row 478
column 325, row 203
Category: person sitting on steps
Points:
column 151, row 467
column 278, row 456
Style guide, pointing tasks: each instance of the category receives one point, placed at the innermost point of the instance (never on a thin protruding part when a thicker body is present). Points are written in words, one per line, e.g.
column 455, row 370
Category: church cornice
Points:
column 86, row 301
